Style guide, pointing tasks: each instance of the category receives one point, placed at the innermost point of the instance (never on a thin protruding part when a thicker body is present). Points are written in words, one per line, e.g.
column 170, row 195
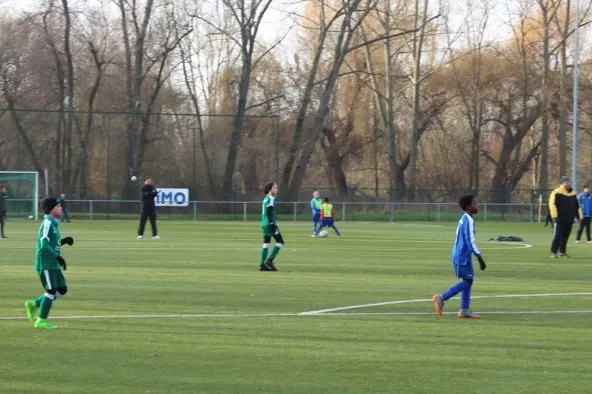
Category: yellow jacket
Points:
column 564, row 205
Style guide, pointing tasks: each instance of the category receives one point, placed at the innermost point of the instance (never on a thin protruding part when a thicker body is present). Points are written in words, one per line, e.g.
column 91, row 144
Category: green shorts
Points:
column 267, row 233
column 52, row 279
column 276, row 235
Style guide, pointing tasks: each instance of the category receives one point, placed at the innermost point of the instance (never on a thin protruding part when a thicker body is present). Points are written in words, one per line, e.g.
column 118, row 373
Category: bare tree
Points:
column 15, row 51
column 420, row 23
column 472, row 81
column 65, row 178
column 385, row 113
column 147, row 54
column 197, row 55
column 95, row 36
column 348, row 18
column 248, row 17
column 516, row 107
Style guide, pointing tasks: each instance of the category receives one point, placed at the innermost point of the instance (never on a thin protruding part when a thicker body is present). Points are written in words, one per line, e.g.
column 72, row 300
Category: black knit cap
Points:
column 49, row 203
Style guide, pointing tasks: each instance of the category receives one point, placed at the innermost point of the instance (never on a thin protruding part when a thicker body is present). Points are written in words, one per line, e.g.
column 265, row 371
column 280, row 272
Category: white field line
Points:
column 206, row 249
column 235, row 316
column 343, row 308
column 263, row 315
column 333, row 311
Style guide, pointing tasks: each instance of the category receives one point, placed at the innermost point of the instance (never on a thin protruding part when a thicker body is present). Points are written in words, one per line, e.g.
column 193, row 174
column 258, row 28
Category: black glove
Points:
column 62, row 262
column 67, row 241
column 481, row 263
column 272, row 227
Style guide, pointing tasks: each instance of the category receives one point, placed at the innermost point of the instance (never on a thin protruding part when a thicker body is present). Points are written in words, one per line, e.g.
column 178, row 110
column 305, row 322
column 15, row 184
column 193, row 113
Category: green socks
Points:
column 274, row 253
column 38, row 301
column 45, row 307
column 264, row 252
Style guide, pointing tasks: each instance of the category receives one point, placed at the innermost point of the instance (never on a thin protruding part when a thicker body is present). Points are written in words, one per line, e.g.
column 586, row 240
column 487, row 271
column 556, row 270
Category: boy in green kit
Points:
column 270, row 229
column 49, row 264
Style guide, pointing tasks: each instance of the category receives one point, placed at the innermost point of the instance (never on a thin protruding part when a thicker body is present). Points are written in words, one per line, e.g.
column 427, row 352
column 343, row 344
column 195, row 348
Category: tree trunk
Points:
column 238, row 124
column 562, row 96
column 341, row 48
column 418, row 40
column 335, row 162
column 303, row 111
column 190, row 84
column 66, row 171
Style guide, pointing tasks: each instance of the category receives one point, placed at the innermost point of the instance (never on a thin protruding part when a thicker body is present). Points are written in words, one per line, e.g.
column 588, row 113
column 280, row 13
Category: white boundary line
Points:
column 156, row 316
column 172, row 246
column 238, row 316
column 343, row 308
column 453, row 313
column 335, row 311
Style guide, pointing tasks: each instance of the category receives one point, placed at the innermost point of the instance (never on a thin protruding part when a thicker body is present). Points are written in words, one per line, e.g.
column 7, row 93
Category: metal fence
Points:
column 300, row 211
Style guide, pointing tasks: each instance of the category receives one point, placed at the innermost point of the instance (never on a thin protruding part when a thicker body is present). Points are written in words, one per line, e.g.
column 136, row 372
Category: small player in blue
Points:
column 315, row 206
column 462, row 259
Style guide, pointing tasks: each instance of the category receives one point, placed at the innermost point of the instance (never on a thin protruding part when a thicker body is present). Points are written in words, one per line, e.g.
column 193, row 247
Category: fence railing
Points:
column 300, row 211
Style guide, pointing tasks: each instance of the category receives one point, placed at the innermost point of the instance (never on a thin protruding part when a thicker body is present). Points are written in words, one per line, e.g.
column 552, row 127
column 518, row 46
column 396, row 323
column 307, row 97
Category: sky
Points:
column 279, row 22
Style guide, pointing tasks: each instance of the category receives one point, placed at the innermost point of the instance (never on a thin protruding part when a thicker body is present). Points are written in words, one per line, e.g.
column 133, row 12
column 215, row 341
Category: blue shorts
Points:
column 464, row 271
column 328, row 222
column 316, row 217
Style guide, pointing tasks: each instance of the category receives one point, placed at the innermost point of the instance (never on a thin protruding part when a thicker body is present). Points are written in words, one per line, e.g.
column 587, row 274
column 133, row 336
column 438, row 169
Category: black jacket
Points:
column 63, row 203
column 2, row 203
column 564, row 205
column 148, row 194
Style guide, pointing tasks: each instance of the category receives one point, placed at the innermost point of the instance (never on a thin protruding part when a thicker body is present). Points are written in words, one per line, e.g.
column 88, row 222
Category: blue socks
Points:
column 465, row 297
column 462, row 287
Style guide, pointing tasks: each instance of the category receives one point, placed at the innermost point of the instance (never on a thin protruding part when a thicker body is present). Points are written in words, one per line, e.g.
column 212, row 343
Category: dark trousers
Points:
column 549, row 220
column 2, row 225
column 561, row 232
column 65, row 215
column 148, row 215
column 584, row 223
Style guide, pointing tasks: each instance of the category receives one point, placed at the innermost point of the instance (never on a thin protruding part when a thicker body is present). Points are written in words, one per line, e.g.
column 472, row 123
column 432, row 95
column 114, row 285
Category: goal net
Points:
column 22, row 193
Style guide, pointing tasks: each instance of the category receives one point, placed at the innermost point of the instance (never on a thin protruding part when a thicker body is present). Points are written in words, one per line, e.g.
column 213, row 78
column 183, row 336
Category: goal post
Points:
column 22, row 193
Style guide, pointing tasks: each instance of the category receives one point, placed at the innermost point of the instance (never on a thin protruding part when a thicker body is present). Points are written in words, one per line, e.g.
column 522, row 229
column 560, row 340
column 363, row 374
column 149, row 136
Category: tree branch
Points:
column 389, row 36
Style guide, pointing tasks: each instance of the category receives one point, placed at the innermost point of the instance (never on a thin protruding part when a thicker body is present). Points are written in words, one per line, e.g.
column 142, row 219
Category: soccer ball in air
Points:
column 134, row 178
column 323, row 234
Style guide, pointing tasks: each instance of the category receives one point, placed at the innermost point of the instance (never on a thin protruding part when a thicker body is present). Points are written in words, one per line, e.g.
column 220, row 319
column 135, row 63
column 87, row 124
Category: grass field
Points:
column 191, row 313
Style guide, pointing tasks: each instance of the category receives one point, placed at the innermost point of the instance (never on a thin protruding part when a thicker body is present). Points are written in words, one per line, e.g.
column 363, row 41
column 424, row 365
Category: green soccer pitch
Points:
column 191, row 313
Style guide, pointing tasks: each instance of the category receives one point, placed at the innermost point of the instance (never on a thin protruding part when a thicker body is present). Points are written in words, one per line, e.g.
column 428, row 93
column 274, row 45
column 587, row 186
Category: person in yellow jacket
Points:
column 565, row 209
column 327, row 217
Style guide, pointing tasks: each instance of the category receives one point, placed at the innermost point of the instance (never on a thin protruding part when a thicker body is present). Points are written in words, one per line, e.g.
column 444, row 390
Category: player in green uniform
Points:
column 270, row 229
column 49, row 264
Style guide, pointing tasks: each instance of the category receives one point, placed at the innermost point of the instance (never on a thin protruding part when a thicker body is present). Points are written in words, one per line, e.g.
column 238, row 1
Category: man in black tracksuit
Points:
column 2, row 209
column 148, row 209
column 565, row 209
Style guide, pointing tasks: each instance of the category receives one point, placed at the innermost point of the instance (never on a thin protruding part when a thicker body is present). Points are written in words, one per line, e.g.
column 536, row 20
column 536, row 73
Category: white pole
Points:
column 46, row 183
column 36, row 197
column 576, row 98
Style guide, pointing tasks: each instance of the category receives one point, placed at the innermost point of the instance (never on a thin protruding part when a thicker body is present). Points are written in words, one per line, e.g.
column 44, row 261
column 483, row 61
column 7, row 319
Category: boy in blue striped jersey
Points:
column 462, row 259
column 315, row 206
column 585, row 199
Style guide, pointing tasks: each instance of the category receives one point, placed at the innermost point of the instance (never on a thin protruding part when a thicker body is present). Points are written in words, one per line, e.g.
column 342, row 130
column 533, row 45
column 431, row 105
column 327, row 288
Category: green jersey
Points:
column 269, row 201
column 48, row 245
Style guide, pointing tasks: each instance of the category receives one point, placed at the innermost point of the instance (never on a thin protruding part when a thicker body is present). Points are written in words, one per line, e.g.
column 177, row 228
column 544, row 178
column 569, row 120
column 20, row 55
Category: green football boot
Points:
column 44, row 324
column 31, row 308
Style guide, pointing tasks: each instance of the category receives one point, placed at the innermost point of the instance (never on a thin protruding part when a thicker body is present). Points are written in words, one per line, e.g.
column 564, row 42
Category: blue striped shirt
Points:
column 586, row 203
column 464, row 244
column 315, row 205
